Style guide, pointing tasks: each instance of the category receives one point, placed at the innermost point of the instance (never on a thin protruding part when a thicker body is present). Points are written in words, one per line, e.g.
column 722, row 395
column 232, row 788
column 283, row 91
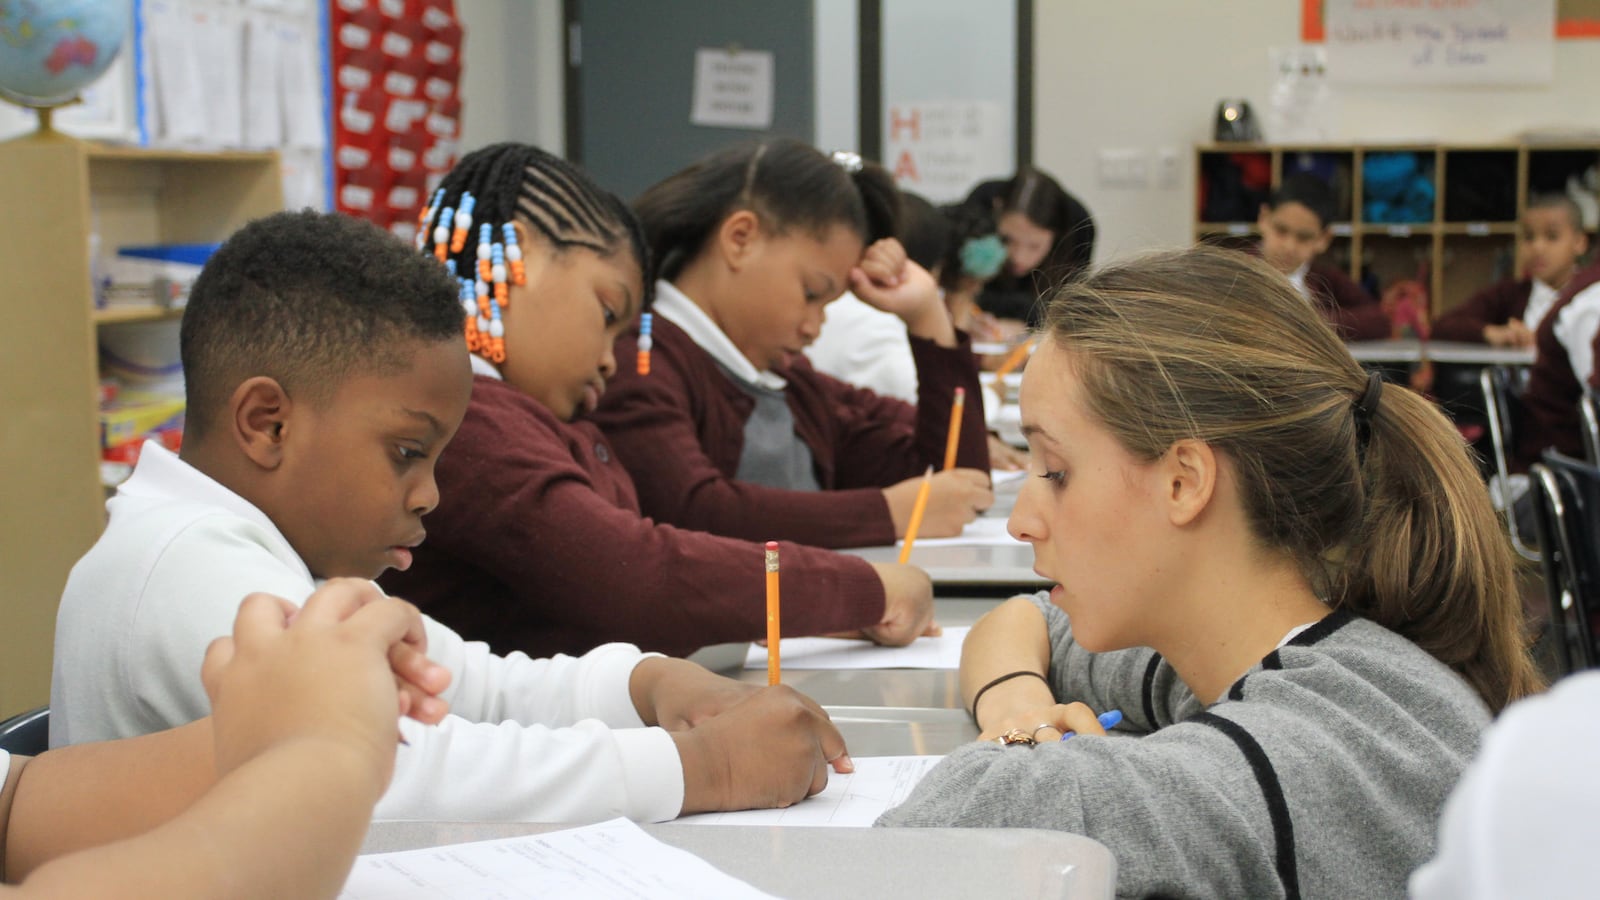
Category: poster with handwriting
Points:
column 1407, row 43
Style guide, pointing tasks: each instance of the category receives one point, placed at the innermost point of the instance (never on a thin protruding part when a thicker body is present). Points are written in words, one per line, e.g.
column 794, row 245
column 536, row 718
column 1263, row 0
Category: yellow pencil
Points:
column 774, row 634
column 1012, row 360
column 954, row 439
column 917, row 510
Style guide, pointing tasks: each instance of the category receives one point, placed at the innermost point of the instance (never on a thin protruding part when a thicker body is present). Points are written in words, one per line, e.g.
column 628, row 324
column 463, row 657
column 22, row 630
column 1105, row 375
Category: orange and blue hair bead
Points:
column 645, row 343
column 519, row 272
column 463, row 221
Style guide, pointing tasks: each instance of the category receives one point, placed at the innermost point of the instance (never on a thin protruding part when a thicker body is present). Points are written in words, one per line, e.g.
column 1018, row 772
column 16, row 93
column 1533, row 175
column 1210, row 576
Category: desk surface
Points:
column 846, row 862
column 890, row 695
column 1410, row 350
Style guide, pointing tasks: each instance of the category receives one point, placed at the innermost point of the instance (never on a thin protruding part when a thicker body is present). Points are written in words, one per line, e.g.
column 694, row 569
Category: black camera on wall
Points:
column 1235, row 122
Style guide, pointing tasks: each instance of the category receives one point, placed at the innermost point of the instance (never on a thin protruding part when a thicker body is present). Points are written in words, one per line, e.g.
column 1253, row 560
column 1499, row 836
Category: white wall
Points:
column 1145, row 75
column 512, row 73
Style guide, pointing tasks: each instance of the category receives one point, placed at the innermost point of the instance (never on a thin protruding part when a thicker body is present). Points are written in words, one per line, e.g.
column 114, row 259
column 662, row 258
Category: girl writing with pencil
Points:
column 1284, row 573
column 733, row 431
column 537, row 543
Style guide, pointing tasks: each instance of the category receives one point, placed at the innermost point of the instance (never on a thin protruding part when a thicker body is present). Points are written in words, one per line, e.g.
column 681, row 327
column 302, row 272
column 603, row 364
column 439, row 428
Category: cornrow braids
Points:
column 468, row 226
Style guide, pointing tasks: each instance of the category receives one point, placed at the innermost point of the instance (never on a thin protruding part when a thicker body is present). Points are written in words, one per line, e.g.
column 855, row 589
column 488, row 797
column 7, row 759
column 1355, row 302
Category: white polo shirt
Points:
column 539, row 740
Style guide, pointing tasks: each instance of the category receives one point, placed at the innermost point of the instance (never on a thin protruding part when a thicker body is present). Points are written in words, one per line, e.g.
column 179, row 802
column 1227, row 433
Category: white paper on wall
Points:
column 1440, row 42
column 941, row 148
column 732, row 89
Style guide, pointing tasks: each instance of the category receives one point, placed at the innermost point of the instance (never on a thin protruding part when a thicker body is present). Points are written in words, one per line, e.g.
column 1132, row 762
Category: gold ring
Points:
column 1015, row 736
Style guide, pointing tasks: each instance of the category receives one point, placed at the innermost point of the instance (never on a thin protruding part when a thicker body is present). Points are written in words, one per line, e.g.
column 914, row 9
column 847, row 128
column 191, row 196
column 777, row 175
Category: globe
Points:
column 50, row 50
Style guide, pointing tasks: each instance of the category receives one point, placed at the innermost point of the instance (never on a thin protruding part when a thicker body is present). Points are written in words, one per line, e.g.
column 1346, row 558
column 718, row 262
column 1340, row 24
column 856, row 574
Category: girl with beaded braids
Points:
column 733, row 431
column 537, row 543
column 1284, row 573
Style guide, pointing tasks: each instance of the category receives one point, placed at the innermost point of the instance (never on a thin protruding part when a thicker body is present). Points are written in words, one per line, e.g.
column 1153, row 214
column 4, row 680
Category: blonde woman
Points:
column 1283, row 572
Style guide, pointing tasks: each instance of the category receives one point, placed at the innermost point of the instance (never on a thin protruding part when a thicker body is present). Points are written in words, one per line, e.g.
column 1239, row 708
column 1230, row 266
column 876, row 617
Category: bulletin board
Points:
column 1575, row 19
column 397, row 106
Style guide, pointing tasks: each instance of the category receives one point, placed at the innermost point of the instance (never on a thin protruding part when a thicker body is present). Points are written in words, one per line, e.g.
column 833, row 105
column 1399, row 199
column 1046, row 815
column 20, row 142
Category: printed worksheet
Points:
column 942, row 652
column 613, row 860
column 852, row 801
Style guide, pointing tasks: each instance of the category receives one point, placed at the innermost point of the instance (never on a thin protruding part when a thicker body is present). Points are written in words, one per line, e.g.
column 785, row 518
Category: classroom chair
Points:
column 1502, row 402
column 1589, row 417
column 1567, row 518
column 26, row 734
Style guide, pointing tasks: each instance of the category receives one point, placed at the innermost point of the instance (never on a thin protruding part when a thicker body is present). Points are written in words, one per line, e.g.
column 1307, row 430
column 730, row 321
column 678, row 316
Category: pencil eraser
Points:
column 772, row 545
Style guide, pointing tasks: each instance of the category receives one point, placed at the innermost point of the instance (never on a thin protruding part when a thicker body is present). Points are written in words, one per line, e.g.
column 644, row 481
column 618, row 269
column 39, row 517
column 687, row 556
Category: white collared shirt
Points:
column 181, row 551
column 676, row 307
column 1576, row 325
column 1540, row 298
column 1298, row 279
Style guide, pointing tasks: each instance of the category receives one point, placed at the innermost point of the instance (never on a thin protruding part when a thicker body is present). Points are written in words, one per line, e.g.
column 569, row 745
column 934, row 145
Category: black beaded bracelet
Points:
column 1006, row 677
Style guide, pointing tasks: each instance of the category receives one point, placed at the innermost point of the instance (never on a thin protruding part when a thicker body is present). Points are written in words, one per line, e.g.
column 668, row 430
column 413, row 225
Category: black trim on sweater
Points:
column 1237, row 691
column 1272, row 793
column 1272, row 662
column 1330, row 623
column 1149, row 690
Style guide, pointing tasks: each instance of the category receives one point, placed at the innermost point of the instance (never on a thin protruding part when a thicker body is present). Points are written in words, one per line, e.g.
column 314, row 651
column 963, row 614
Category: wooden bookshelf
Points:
column 1463, row 253
column 56, row 190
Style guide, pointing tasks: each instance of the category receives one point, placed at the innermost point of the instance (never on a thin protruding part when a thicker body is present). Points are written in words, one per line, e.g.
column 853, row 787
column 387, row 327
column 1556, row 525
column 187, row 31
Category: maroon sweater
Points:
column 538, row 545
column 1496, row 304
column 1551, row 398
column 1355, row 314
column 680, row 431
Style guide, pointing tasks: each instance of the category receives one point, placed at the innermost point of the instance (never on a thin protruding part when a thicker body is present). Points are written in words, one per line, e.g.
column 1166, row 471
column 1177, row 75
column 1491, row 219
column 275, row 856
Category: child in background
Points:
column 1048, row 236
column 732, row 431
column 866, row 346
column 269, row 797
column 1508, row 314
column 1296, row 226
column 1564, row 348
column 325, row 373
column 1305, row 609
column 537, row 543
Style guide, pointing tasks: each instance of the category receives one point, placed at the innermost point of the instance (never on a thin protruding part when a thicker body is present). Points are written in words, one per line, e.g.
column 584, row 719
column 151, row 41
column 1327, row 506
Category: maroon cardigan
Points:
column 1355, row 314
column 1496, row 304
column 538, row 545
column 680, row 431
column 1551, row 398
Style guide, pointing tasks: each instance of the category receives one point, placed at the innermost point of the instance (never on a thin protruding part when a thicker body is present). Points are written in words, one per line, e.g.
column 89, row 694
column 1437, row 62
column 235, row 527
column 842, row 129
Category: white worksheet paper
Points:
column 613, row 860
column 984, row 531
column 942, row 652
column 878, row 784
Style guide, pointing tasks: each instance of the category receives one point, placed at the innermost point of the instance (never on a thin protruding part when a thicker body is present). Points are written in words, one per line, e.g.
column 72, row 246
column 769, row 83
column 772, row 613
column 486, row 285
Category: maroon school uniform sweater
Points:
column 1551, row 398
column 680, row 431
column 1355, row 314
column 538, row 545
column 1496, row 304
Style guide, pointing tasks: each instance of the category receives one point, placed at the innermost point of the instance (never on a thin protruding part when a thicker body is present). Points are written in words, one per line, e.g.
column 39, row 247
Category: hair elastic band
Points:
column 1003, row 678
column 1367, row 404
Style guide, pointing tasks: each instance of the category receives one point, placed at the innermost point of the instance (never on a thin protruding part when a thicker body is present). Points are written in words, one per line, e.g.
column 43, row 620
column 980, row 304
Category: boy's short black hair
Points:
column 1308, row 191
column 308, row 299
column 1561, row 202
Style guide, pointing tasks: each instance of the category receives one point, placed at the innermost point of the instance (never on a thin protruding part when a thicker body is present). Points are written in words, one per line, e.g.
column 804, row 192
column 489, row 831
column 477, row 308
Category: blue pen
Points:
column 1108, row 721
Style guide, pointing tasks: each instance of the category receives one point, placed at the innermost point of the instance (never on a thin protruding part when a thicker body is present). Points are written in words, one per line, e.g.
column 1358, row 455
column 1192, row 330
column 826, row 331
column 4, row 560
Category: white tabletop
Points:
column 798, row 862
column 1410, row 350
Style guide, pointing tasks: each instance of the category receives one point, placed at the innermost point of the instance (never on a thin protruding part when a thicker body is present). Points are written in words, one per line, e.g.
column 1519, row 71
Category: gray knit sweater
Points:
column 1321, row 774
